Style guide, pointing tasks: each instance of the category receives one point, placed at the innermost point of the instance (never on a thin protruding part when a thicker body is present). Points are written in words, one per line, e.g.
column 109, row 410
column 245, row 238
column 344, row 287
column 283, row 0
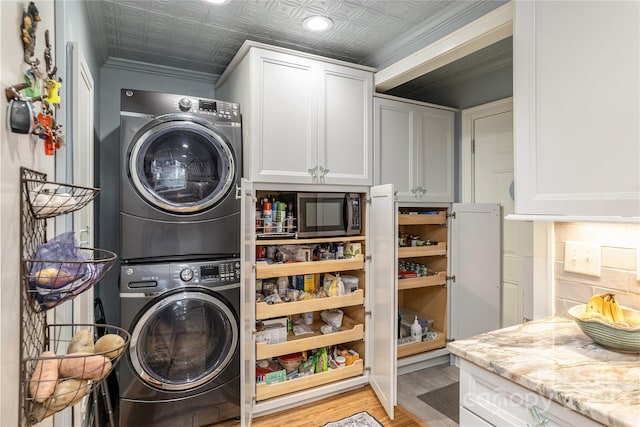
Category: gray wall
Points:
column 114, row 76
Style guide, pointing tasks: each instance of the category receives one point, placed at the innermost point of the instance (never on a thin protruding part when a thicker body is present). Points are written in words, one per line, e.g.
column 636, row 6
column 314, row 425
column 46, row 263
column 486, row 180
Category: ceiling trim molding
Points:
column 163, row 70
column 428, row 31
column 484, row 31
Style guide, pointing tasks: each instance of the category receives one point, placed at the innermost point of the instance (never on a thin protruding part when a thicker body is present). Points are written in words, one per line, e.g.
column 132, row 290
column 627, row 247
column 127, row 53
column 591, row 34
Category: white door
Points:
column 247, row 302
column 285, row 118
column 82, row 121
column 434, row 155
column 344, row 131
column 475, row 263
column 382, row 297
column 394, row 140
column 494, row 182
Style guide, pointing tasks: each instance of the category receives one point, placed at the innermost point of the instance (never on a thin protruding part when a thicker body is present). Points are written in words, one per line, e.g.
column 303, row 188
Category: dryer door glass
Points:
column 184, row 340
column 181, row 166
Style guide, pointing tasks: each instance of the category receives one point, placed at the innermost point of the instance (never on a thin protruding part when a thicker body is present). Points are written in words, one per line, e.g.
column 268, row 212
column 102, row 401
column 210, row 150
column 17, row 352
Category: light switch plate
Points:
column 582, row 258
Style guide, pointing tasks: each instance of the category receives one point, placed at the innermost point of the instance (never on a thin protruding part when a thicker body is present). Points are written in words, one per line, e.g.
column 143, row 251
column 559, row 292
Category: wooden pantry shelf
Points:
column 268, row 311
column 266, row 271
column 417, row 251
column 423, row 219
column 267, row 242
column 421, row 347
column 423, row 282
column 267, row 391
column 349, row 331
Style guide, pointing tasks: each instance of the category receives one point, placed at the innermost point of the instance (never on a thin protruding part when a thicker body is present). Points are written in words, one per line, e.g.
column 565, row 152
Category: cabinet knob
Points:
column 314, row 173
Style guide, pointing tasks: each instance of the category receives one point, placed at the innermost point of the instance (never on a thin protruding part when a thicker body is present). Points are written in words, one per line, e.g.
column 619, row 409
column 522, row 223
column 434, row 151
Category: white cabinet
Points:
column 306, row 119
column 576, row 108
column 487, row 399
column 370, row 324
column 457, row 282
column 414, row 145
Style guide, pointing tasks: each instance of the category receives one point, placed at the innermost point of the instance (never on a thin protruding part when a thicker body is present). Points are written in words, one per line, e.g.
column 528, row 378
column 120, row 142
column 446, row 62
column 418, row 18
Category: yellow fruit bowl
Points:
column 611, row 336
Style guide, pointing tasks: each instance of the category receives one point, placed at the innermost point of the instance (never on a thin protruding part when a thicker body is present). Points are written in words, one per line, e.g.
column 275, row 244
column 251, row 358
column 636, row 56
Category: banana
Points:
column 595, row 304
column 606, row 308
column 593, row 315
column 616, row 311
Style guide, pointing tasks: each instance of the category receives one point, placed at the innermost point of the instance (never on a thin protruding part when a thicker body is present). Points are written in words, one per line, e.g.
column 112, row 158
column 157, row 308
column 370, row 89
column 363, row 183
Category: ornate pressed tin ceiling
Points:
column 198, row 36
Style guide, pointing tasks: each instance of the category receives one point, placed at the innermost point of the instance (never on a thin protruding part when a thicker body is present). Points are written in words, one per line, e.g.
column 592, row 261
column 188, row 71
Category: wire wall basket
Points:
column 50, row 199
column 75, row 360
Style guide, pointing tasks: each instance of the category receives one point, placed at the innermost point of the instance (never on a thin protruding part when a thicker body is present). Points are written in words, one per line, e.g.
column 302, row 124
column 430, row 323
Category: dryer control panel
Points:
column 160, row 277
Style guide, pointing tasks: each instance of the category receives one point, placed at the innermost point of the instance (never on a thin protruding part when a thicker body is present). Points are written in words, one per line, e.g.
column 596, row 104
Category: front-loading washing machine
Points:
column 182, row 366
column 180, row 168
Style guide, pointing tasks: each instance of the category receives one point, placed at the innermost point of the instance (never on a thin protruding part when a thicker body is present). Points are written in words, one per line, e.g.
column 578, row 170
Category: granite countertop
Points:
column 555, row 359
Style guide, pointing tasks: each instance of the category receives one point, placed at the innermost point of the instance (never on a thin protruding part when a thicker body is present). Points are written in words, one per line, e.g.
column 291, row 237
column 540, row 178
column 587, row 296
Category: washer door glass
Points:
column 183, row 340
column 181, row 166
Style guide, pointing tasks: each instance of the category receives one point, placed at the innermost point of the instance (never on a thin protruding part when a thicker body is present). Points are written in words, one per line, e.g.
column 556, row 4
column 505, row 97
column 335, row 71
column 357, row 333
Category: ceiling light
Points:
column 218, row 2
column 317, row 23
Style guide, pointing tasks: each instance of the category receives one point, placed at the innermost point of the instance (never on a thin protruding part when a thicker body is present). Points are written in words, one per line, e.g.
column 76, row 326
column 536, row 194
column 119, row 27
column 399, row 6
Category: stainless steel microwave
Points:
column 329, row 214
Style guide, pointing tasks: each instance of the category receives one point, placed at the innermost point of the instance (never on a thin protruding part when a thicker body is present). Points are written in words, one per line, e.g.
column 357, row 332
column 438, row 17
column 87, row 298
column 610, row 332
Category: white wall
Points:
column 15, row 151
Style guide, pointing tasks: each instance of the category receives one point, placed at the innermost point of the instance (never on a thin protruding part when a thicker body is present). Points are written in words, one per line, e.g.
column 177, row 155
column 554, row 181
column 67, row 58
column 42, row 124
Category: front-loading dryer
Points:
column 180, row 167
column 182, row 366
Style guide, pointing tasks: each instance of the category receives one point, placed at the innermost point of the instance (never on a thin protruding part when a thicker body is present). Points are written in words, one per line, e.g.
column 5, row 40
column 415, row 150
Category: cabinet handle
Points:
column 539, row 419
column 314, row 173
column 422, row 191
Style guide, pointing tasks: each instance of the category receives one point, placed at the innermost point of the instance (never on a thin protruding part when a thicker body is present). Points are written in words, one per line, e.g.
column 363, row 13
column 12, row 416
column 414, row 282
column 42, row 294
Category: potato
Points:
column 67, row 393
column 85, row 366
column 113, row 344
column 53, row 277
column 45, row 377
column 81, row 342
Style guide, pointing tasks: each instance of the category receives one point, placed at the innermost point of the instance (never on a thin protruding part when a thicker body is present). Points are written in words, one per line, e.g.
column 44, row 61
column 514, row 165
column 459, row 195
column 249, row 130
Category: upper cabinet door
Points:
column 576, row 108
column 284, row 119
column 305, row 120
column 345, row 147
column 434, row 152
column 414, row 150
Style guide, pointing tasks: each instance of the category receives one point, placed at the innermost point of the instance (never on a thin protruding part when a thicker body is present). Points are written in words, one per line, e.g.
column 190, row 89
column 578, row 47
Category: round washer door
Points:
column 183, row 340
column 180, row 164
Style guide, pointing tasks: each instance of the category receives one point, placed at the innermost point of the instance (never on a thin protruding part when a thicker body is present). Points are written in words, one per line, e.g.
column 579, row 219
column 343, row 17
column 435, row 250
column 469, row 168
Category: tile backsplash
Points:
column 619, row 252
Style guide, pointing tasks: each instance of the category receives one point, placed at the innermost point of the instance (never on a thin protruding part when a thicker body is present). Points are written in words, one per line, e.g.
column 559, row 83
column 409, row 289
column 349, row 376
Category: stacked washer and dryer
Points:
column 180, row 275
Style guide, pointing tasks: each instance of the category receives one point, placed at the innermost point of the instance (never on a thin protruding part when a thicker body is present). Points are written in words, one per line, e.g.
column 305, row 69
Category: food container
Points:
column 290, row 362
column 341, row 361
column 350, row 283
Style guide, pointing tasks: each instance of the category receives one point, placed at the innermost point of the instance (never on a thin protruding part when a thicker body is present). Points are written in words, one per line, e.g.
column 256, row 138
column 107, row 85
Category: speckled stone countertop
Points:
column 555, row 359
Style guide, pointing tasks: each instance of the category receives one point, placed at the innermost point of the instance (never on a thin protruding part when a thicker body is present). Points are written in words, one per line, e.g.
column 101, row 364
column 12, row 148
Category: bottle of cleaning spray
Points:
column 416, row 330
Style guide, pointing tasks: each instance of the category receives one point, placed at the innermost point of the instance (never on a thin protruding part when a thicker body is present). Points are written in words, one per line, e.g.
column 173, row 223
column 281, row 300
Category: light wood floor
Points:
column 321, row 412
column 410, row 412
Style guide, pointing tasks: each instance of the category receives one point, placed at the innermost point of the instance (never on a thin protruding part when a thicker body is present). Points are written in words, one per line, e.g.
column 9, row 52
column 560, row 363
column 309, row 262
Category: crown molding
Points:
column 163, row 70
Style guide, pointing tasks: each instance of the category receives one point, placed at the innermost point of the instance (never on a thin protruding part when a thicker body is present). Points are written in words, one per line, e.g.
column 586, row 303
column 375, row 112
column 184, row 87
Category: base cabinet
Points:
column 486, row 399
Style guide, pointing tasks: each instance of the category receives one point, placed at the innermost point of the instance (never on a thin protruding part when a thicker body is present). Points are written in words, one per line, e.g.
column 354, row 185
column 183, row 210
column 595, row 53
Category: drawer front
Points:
column 498, row 402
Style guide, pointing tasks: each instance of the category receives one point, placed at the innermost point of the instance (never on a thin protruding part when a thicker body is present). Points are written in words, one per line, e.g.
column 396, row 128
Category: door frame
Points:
column 468, row 117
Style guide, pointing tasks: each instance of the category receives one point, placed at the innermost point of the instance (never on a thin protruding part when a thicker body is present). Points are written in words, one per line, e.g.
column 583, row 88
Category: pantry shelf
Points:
column 423, row 282
column 349, row 332
column 266, row 271
column 266, row 242
column 423, row 219
column 439, row 249
column 267, row 391
column 267, row 311
column 421, row 347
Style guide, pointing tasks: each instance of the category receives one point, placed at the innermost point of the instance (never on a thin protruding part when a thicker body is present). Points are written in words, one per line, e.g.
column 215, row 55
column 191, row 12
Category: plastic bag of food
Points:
column 332, row 317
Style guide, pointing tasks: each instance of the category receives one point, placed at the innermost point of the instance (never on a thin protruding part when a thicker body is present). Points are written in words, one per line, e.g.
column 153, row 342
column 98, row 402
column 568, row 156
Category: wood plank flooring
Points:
column 410, row 412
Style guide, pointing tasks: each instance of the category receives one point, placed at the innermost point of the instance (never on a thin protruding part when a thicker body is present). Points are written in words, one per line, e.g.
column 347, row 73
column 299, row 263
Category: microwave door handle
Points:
column 347, row 214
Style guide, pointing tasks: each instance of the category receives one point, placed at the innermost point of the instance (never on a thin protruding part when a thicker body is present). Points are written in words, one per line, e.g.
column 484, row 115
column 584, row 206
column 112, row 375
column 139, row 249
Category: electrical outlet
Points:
column 582, row 258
